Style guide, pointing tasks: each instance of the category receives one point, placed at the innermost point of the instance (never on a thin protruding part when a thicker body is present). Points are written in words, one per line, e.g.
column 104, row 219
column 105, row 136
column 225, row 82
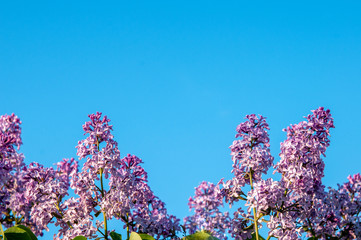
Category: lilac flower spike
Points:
column 207, row 216
column 251, row 154
column 301, row 165
column 10, row 160
column 127, row 196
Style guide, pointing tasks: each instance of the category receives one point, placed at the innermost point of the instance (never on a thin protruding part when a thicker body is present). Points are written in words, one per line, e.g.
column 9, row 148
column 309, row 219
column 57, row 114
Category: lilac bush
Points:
column 37, row 196
column 107, row 186
column 298, row 204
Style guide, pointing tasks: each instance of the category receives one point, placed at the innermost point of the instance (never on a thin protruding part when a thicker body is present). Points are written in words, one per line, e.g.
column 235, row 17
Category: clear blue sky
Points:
column 177, row 77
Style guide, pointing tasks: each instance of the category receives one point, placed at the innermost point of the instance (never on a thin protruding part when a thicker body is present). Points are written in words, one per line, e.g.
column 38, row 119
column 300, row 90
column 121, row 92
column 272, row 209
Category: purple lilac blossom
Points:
column 266, row 196
column 128, row 196
column 302, row 169
column 10, row 162
column 77, row 218
column 301, row 164
column 39, row 192
column 207, row 216
column 240, row 225
column 132, row 201
column 344, row 208
column 252, row 151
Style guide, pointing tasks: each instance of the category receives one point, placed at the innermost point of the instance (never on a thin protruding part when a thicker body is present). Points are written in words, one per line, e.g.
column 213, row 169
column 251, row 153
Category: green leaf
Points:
column 17, row 233
column 31, row 234
column 146, row 236
column 115, row 236
column 134, row 236
column 80, row 238
column 202, row 235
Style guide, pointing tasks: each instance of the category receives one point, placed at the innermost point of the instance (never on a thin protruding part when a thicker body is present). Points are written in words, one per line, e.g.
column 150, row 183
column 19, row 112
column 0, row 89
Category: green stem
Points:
column 62, row 215
column 104, row 213
column 102, row 192
column 254, row 209
column 2, row 232
column 128, row 234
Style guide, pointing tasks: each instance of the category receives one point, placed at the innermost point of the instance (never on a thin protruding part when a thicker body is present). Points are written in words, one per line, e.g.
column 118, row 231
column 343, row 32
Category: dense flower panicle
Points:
column 232, row 190
column 252, row 152
column 102, row 156
column 348, row 199
column 106, row 158
column 239, row 225
column 207, row 216
column 131, row 196
column 10, row 140
column 335, row 214
column 283, row 227
column 10, row 160
column 74, row 221
column 116, row 187
column 266, row 196
column 301, row 165
column 39, row 191
column 10, row 132
column 128, row 197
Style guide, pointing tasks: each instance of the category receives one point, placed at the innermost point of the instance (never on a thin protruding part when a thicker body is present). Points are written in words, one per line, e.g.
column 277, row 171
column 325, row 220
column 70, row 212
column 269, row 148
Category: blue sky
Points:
column 177, row 77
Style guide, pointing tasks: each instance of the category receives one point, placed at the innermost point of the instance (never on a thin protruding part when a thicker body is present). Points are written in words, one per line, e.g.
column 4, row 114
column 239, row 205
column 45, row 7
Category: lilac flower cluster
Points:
column 132, row 201
column 110, row 187
column 301, row 165
column 298, row 204
column 128, row 197
column 251, row 158
column 116, row 188
column 207, row 216
column 10, row 162
column 251, row 154
column 39, row 192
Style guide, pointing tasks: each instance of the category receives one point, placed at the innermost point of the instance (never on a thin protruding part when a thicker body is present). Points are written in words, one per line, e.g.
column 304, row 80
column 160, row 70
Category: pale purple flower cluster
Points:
column 132, row 201
column 251, row 158
column 36, row 196
column 116, row 187
column 10, row 162
column 28, row 193
column 343, row 210
column 266, row 196
column 302, row 169
column 251, row 154
column 127, row 197
column 297, row 205
column 207, row 215
column 39, row 192
column 301, row 165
